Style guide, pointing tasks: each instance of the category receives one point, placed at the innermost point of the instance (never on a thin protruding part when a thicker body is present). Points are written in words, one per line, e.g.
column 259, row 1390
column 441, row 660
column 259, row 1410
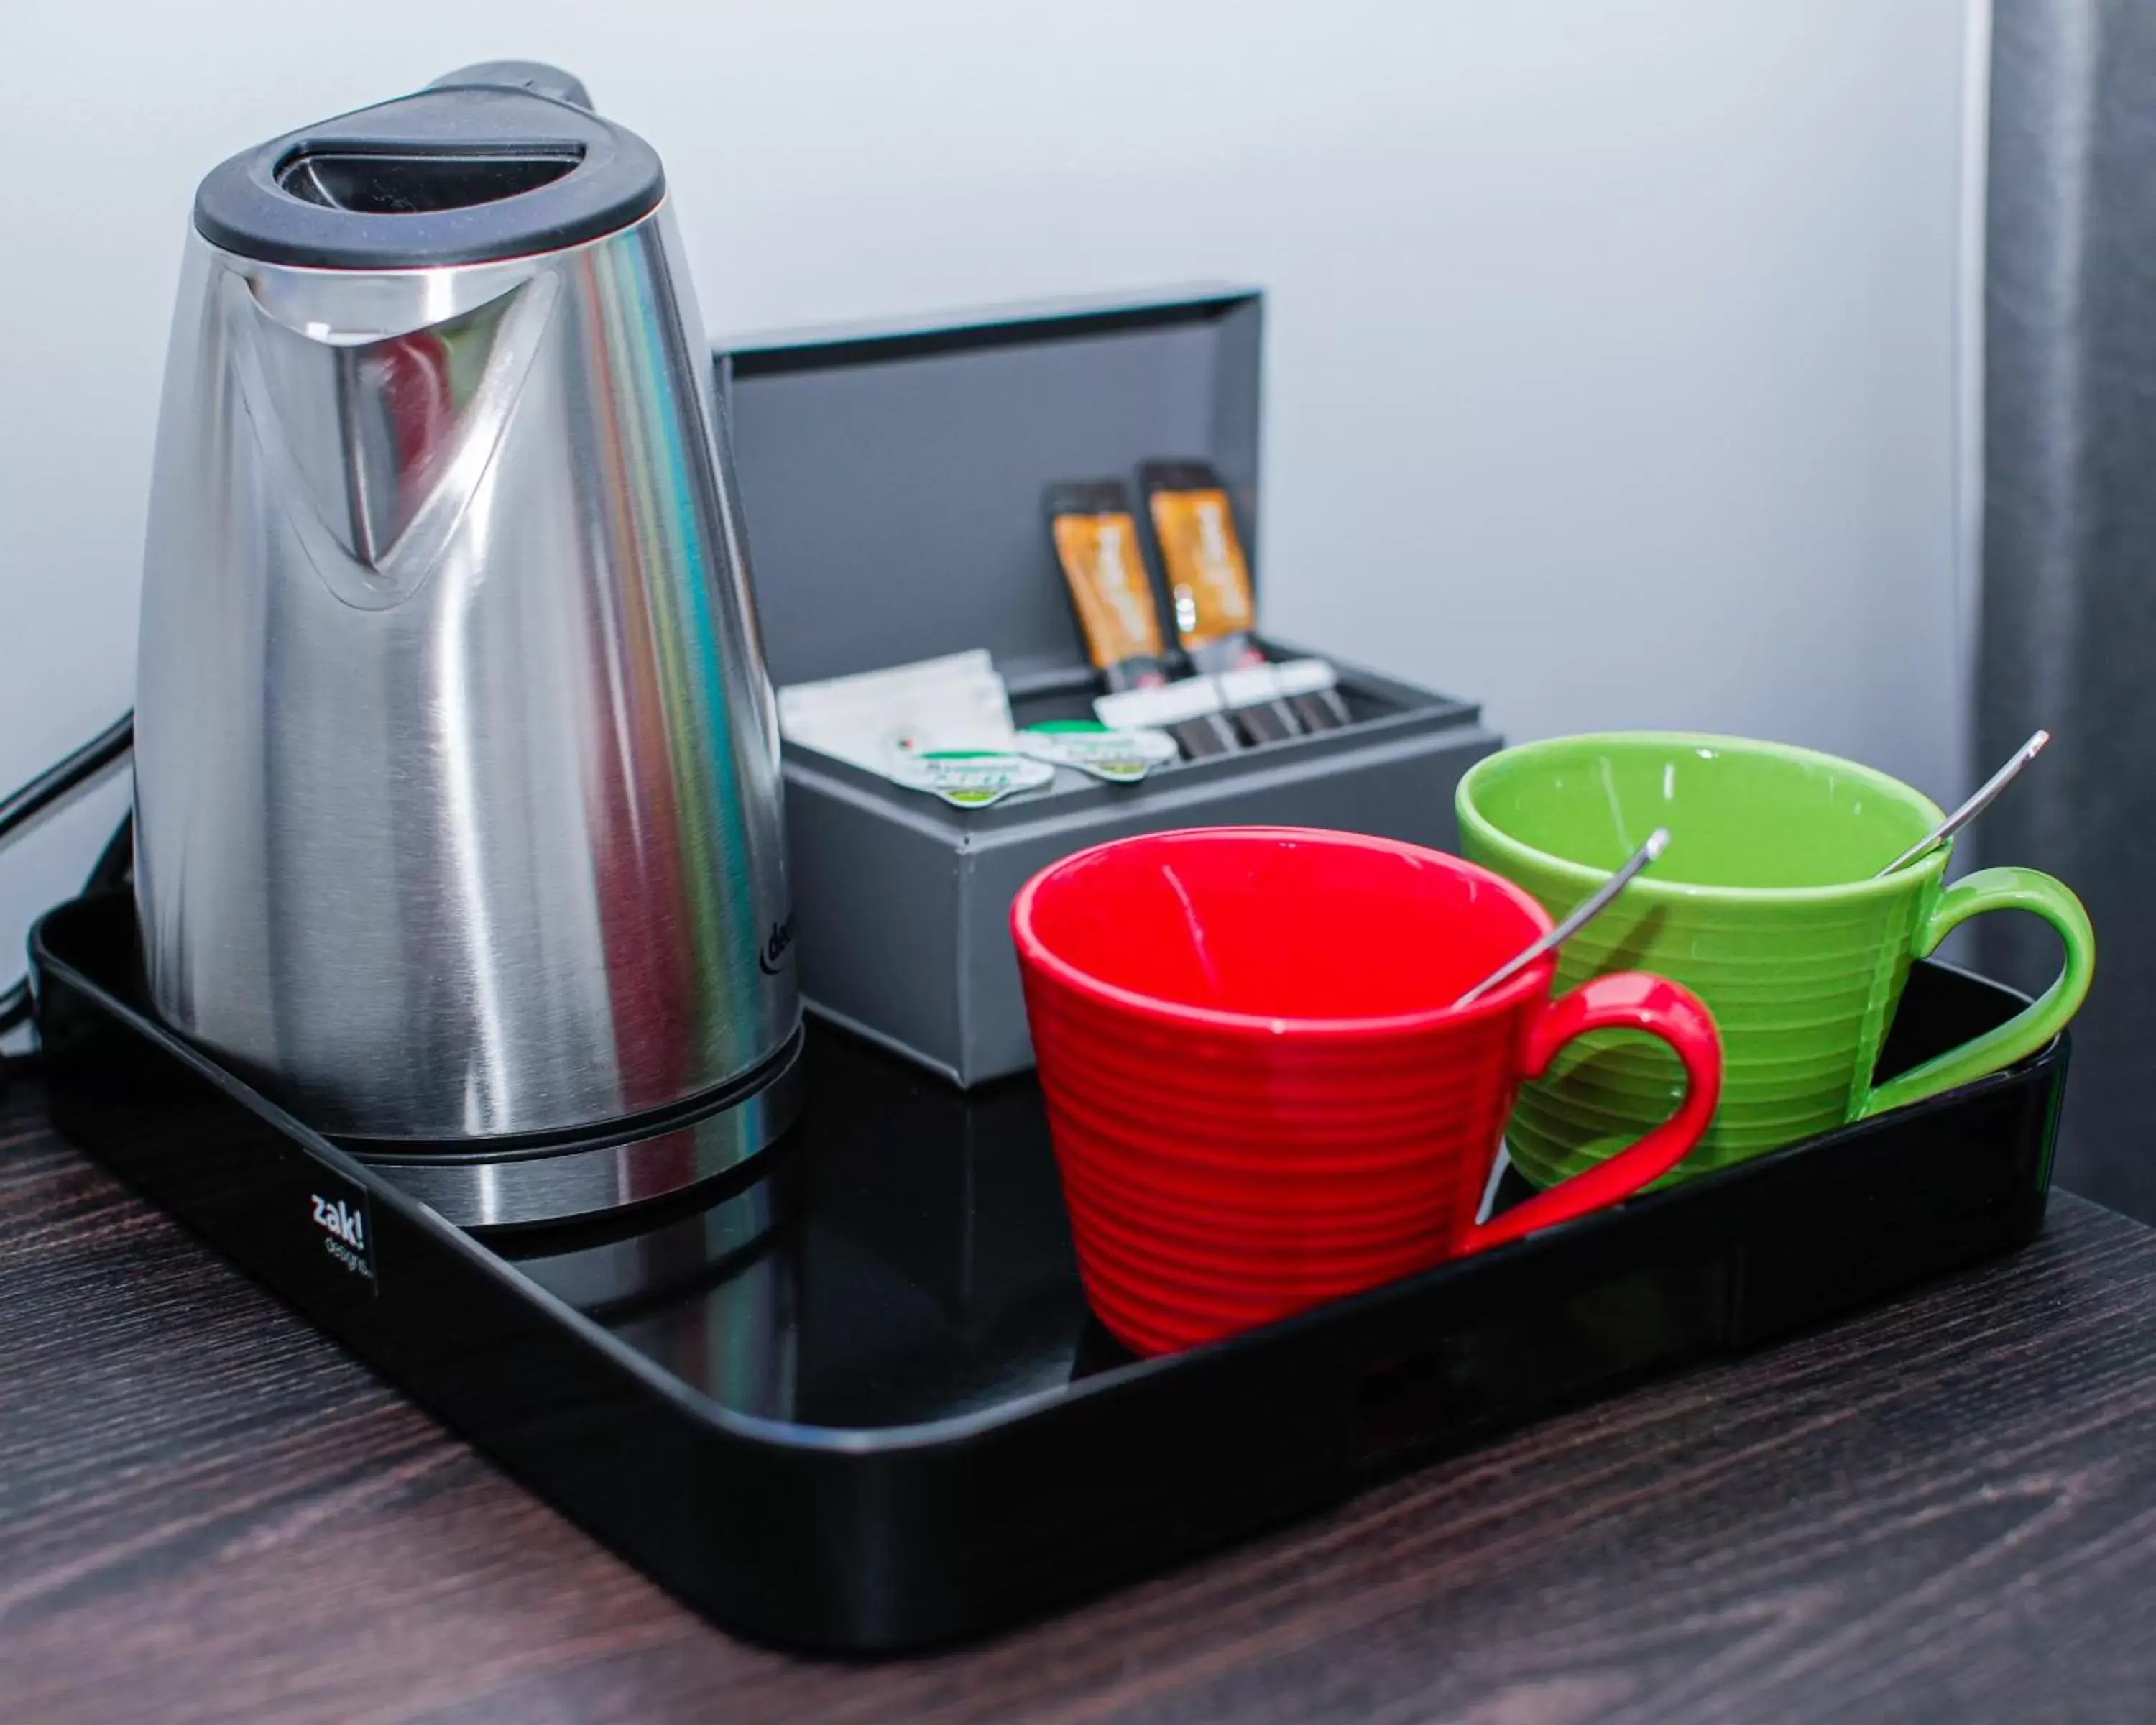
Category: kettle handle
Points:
column 534, row 75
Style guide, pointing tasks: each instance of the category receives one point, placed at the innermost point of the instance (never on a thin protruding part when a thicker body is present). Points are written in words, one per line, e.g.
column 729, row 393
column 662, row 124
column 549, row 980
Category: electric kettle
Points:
column 457, row 785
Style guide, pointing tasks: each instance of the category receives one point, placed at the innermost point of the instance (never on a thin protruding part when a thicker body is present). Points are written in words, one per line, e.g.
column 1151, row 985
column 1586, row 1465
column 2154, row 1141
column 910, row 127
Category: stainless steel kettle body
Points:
column 457, row 782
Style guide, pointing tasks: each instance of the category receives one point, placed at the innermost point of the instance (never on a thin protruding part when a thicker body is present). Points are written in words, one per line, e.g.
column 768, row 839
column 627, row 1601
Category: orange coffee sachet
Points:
column 1103, row 564
column 1208, row 580
column 1096, row 542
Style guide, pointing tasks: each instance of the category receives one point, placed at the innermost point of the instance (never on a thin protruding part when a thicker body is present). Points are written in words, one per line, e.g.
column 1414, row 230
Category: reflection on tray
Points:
column 903, row 1257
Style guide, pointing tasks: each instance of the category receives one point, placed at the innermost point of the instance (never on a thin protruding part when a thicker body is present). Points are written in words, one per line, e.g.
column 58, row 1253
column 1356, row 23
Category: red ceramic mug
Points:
column 1261, row 1094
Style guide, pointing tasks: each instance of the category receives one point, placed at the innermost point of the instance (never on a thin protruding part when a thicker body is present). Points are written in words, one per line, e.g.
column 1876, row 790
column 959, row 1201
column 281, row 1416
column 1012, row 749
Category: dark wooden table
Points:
column 1944, row 1510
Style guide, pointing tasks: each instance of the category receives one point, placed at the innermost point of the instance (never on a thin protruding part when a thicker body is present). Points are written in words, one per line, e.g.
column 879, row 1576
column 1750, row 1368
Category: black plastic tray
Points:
column 859, row 1405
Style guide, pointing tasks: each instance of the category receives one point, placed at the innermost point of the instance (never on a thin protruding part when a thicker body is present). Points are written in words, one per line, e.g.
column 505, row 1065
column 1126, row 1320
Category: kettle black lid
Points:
column 496, row 160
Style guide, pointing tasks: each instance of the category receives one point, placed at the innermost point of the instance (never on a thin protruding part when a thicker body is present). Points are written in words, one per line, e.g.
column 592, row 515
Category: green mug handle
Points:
column 2029, row 1030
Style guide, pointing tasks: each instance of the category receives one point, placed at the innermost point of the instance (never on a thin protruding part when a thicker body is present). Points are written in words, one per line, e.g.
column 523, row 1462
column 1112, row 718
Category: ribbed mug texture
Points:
column 1765, row 905
column 1259, row 1094
column 1804, row 994
column 1260, row 1178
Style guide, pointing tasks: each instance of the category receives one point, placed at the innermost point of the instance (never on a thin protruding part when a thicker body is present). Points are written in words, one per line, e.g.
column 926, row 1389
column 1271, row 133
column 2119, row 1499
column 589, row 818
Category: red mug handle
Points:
column 1630, row 1000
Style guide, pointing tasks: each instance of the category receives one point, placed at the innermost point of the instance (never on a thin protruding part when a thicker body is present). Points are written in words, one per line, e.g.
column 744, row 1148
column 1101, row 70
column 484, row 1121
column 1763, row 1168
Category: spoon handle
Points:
column 1975, row 806
column 1595, row 903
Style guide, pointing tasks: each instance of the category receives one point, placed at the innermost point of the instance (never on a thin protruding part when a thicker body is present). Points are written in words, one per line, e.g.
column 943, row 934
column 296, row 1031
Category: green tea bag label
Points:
column 970, row 779
column 1122, row 756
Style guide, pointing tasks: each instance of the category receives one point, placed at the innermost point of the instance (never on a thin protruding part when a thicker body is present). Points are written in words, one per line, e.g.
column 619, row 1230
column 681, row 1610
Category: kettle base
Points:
column 598, row 1168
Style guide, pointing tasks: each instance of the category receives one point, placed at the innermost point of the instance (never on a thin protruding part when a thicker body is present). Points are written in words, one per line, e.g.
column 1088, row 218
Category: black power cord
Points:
column 54, row 785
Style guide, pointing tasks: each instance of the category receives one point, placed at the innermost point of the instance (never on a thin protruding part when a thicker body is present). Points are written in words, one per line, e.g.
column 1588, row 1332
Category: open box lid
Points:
column 891, row 476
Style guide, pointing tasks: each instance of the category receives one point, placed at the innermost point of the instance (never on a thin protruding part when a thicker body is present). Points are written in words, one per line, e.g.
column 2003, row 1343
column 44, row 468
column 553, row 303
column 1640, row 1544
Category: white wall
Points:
column 1613, row 346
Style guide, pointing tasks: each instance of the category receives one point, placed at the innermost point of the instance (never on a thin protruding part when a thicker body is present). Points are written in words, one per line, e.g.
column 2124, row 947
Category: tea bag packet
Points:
column 1120, row 757
column 939, row 726
column 1103, row 564
column 1208, row 580
column 879, row 718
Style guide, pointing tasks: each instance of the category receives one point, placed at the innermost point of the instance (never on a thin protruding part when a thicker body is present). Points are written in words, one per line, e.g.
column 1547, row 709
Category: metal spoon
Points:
column 1975, row 806
column 1596, row 902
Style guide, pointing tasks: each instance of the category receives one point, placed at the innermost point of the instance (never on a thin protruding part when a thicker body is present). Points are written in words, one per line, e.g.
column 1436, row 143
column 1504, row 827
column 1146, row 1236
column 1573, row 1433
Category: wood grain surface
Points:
column 1944, row 1510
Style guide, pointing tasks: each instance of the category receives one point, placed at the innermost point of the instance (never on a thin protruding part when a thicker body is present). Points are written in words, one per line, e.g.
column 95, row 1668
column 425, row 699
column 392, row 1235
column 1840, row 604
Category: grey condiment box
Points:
column 891, row 480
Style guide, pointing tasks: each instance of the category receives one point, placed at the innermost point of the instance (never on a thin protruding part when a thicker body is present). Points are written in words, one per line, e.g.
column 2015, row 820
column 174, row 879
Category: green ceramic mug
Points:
column 1765, row 905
